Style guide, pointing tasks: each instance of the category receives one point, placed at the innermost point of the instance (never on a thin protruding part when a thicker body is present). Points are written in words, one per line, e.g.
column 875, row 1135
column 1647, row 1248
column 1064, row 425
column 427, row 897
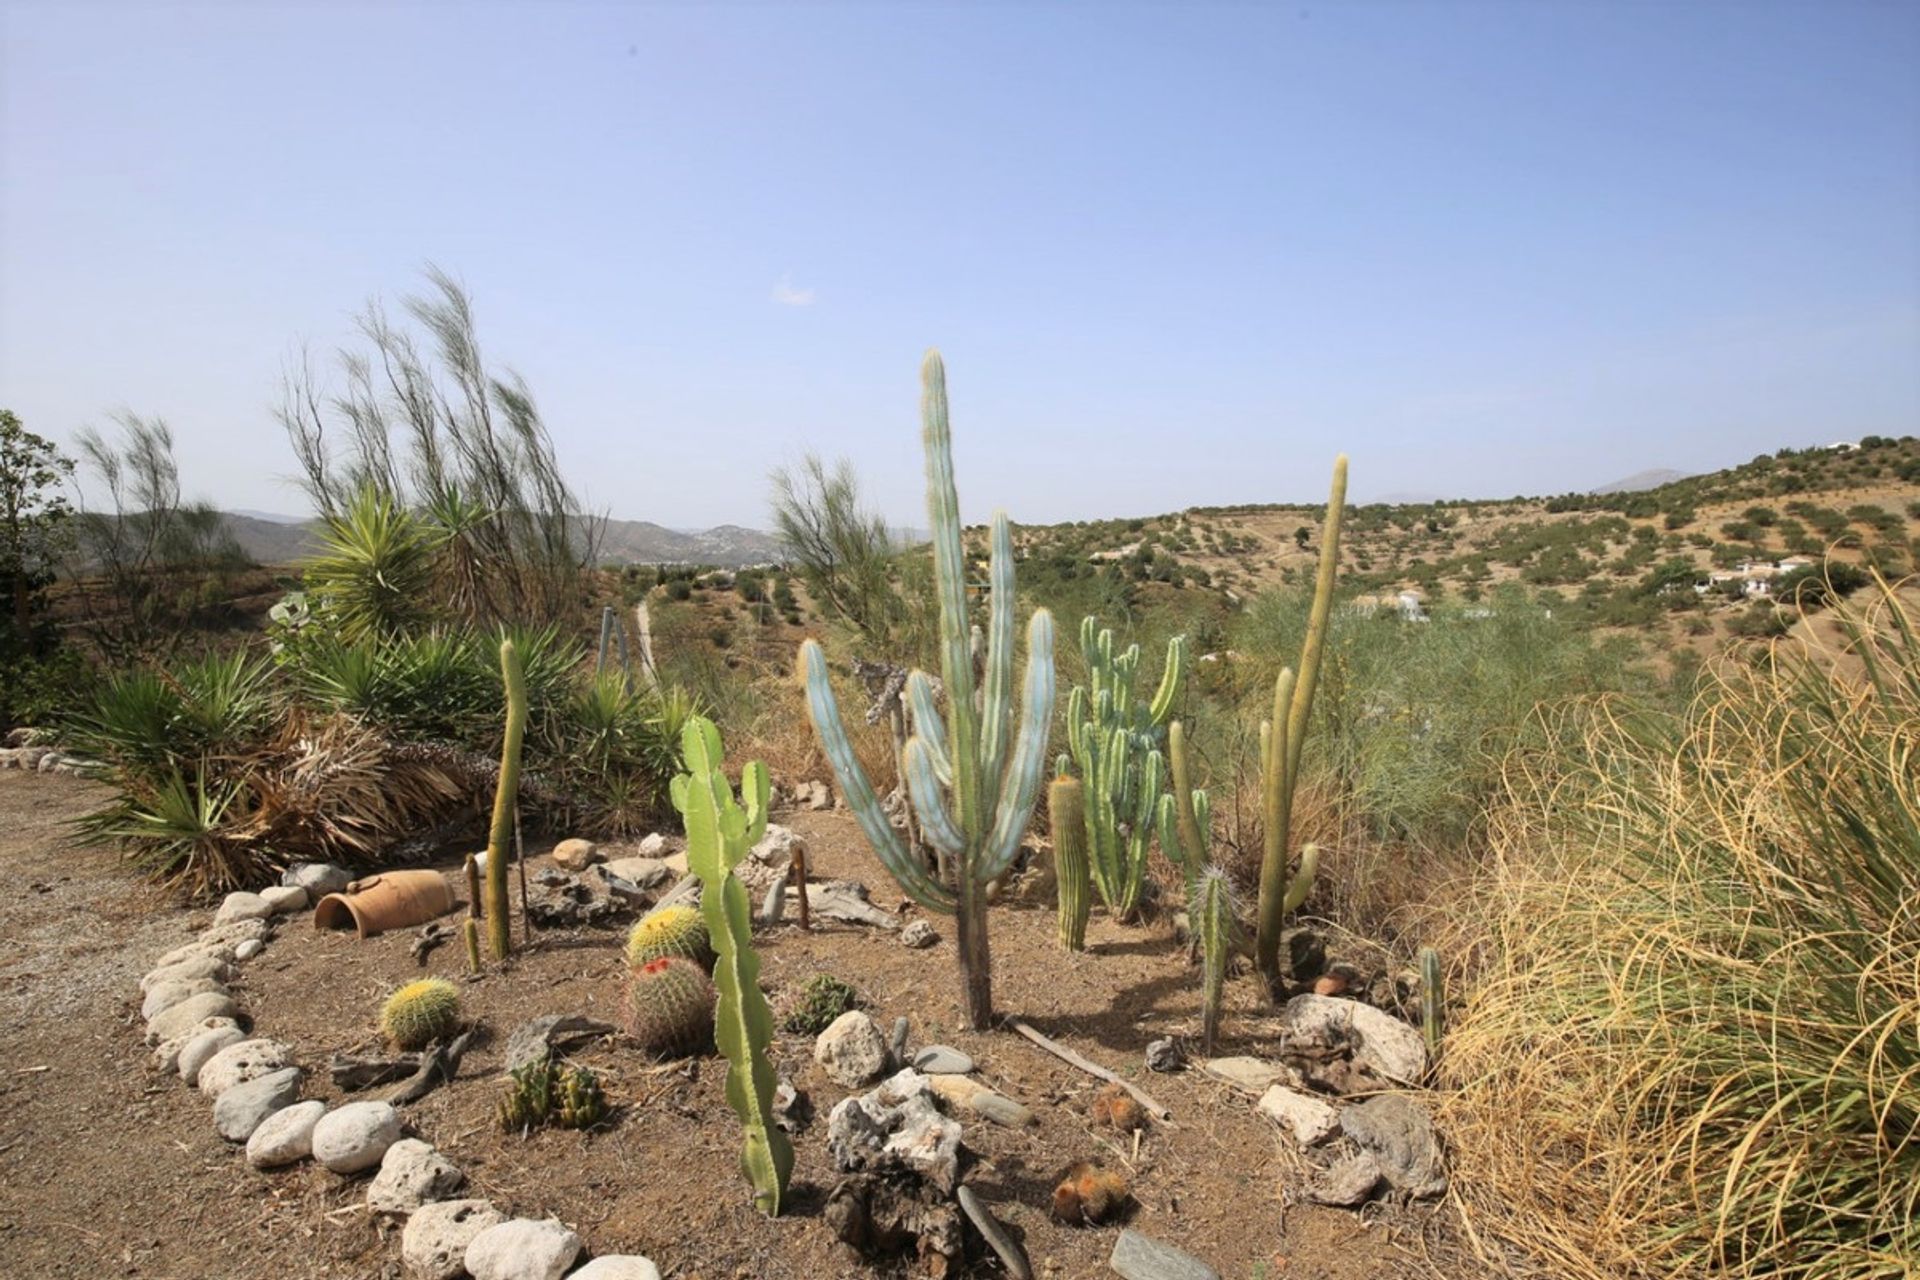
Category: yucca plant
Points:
column 130, row 722
column 374, row 571
column 1696, row 1048
column 179, row 831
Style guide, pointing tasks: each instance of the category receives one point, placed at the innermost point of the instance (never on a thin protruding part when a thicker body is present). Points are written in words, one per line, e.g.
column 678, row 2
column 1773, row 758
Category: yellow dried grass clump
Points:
column 1695, row 1047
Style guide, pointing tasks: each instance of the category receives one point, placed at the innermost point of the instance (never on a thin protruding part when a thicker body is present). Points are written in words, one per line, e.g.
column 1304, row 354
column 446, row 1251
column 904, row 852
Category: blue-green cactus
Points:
column 972, row 778
column 1114, row 742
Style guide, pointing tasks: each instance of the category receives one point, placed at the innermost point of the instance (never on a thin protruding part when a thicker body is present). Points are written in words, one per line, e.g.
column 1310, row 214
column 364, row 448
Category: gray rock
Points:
column 286, row 1136
column 204, row 965
column 897, row 1041
column 241, row 905
column 941, row 1060
column 918, row 934
column 1306, row 1117
column 243, row 1108
column 819, row 796
column 774, row 905
column 1137, row 1257
column 411, row 1174
column 846, row 901
column 355, row 1136
column 219, row 949
column 662, row 845
column 1250, row 1075
column 896, row 1128
column 538, row 1039
column 165, row 995
column 248, row 950
column 852, row 1049
column 201, row 1048
column 641, row 873
column 284, row 899
column 577, row 854
column 523, row 1249
column 1346, row 1183
column 1398, row 1133
column 767, row 862
column 240, row 1062
column 617, row 1266
column 318, row 878
column 1165, row 1055
column 434, row 1244
column 167, row 1056
column 1381, row 1043
column 189, row 1013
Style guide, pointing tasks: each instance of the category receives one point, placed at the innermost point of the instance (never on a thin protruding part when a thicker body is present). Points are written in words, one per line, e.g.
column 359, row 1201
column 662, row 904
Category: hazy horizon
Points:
column 1174, row 256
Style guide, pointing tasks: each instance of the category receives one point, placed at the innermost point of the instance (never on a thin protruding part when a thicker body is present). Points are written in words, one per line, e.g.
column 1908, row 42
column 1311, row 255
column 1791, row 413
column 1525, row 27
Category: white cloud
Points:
column 787, row 296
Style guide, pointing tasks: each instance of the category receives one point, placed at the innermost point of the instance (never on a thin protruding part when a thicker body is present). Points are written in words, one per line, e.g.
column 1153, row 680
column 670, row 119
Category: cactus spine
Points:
column 505, row 797
column 973, row 779
column 1213, row 924
column 1281, row 740
column 1433, row 997
column 1068, row 808
column 720, row 830
column 1114, row 742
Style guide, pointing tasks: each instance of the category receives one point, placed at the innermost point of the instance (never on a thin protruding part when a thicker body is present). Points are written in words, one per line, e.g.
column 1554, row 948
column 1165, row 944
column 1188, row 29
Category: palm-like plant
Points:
column 375, row 567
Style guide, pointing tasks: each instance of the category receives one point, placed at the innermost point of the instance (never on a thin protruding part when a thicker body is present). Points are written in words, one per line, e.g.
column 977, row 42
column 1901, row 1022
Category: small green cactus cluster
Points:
column 671, row 931
column 821, row 1000
column 543, row 1093
column 419, row 1013
column 668, row 1007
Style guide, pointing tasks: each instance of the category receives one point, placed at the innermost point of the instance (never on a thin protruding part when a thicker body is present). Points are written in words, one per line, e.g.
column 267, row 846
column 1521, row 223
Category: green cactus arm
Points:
column 927, row 724
column 1078, row 726
column 996, row 716
column 1171, row 677
column 743, row 1024
column 929, row 802
column 1274, row 808
column 506, row 796
column 1302, row 882
column 887, row 845
column 1203, row 815
column 1183, row 796
column 1310, row 653
column 1165, row 827
column 1022, row 784
column 949, row 569
column 756, row 794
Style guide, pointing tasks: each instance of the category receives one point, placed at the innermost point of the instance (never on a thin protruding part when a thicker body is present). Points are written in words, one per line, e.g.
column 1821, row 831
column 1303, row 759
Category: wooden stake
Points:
column 799, row 873
column 1073, row 1059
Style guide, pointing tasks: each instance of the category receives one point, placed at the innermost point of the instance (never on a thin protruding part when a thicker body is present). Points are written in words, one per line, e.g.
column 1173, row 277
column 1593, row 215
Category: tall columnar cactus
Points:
column 720, row 830
column 1281, row 740
column 1068, row 807
column 1433, row 999
column 506, row 796
column 972, row 779
column 1212, row 914
column 1114, row 741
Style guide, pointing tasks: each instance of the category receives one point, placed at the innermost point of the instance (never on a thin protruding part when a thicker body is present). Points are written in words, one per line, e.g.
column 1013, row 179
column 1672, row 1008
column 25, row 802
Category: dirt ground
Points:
column 109, row 1169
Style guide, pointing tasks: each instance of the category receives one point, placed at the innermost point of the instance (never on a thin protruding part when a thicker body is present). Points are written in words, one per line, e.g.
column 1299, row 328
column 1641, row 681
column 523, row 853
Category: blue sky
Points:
column 1174, row 255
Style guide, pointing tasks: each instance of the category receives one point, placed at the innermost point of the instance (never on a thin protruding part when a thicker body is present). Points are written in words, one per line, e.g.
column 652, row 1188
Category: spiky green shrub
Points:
column 1695, row 1044
column 668, row 1006
column 822, row 999
column 374, row 569
column 419, row 1013
column 671, row 931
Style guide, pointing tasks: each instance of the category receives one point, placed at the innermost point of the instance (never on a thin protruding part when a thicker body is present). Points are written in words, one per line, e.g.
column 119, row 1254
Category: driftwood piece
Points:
column 353, row 1072
column 430, row 936
column 1011, row 1254
column 437, row 1067
column 1073, row 1059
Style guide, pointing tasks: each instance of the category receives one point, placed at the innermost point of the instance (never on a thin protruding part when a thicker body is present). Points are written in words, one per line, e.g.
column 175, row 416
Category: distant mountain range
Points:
column 1640, row 480
column 277, row 539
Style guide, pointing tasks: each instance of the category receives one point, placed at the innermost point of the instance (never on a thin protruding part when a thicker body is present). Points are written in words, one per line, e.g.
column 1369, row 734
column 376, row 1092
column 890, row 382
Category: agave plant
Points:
column 374, row 570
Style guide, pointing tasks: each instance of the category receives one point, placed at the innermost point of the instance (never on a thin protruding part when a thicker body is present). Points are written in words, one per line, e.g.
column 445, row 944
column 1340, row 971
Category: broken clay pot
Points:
column 390, row 900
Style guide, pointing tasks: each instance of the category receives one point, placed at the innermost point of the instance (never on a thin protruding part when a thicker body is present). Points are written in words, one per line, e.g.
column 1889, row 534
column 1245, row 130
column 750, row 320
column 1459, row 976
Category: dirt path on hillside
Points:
column 108, row 1169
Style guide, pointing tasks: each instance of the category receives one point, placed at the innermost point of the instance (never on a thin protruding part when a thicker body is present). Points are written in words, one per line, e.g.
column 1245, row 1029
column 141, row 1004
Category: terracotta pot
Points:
column 390, row 900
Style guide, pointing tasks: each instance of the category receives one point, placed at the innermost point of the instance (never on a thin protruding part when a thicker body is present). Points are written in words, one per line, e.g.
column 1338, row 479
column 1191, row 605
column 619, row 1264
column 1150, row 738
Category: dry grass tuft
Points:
column 1695, row 1046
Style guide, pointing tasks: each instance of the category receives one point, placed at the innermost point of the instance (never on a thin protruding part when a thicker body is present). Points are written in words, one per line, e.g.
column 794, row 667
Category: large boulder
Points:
column 242, row 1109
column 853, row 1049
column 286, row 1136
column 356, row 1136
column 523, row 1249
column 434, row 1244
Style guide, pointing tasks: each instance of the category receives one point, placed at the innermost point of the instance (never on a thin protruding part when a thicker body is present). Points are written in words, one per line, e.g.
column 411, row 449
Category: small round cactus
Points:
column 669, row 1006
column 822, row 999
column 419, row 1013
column 671, row 931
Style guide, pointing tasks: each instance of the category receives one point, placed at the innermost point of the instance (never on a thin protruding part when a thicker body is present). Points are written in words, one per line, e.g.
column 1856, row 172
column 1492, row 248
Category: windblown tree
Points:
column 34, row 517
column 843, row 552
column 422, row 424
